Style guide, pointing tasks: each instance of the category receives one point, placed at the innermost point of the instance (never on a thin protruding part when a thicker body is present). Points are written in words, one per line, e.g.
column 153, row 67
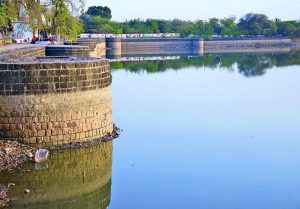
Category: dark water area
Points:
column 214, row 131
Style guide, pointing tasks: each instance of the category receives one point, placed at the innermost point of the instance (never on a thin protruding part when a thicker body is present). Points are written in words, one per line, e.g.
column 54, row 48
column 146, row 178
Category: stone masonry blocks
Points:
column 51, row 103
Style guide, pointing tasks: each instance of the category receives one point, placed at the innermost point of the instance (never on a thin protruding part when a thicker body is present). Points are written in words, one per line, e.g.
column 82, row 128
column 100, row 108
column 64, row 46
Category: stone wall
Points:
column 296, row 41
column 65, row 101
column 234, row 45
column 71, row 179
column 99, row 50
column 67, row 50
column 162, row 45
column 51, row 75
column 97, row 46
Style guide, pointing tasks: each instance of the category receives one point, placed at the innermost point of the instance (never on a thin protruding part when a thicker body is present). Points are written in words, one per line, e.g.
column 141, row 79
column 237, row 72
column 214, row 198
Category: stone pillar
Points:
column 198, row 46
column 55, row 101
column 114, row 46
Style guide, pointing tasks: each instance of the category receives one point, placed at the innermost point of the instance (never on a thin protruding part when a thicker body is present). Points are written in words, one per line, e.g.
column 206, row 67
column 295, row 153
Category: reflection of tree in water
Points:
column 247, row 64
column 254, row 65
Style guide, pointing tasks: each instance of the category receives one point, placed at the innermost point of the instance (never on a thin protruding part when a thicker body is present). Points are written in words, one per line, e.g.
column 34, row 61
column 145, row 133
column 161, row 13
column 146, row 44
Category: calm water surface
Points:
column 221, row 133
column 211, row 132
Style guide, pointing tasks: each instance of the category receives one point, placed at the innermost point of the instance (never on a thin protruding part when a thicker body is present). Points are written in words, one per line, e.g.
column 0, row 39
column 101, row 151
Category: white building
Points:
column 22, row 30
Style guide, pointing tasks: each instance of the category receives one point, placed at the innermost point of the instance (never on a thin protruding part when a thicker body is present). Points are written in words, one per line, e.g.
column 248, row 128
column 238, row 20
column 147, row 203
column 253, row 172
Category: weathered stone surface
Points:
column 97, row 47
column 55, row 101
column 29, row 51
column 52, row 75
column 67, row 117
column 160, row 45
column 221, row 45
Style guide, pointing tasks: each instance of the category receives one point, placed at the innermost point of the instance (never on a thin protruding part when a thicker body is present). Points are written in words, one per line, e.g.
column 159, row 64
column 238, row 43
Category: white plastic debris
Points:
column 41, row 155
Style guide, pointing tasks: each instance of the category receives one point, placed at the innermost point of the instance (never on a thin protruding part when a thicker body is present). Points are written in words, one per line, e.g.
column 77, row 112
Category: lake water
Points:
column 218, row 131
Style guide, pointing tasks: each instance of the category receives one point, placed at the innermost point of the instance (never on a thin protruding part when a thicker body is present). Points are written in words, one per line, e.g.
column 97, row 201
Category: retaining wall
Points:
column 52, row 102
column 51, row 75
column 162, row 45
column 97, row 46
column 234, row 45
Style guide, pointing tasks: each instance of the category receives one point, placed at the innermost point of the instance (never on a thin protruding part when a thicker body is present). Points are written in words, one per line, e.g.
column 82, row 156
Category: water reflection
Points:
column 197, row 136
column 79, row 178
column 248, row 64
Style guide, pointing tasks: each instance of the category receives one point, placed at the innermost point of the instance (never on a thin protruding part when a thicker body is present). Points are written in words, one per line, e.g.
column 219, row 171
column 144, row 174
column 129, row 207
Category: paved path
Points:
column 11, row 47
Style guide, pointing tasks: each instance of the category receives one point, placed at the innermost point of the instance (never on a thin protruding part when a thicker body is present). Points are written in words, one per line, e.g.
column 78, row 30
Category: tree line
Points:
column 68, row 19
column 98, row 20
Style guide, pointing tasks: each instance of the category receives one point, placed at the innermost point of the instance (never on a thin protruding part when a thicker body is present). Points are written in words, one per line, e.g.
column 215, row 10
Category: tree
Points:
column 101, row 25
column 185, row 28
column 152, row 26
column 49, row 16
column 164, row 26
column 216, row 25
column 229, row 27
column 287, row 28
column 8, row 12
column 250, row 24
column 137, row 26
column 60, row 17
column 256, row 24
column 203, row 29
column 103, row 12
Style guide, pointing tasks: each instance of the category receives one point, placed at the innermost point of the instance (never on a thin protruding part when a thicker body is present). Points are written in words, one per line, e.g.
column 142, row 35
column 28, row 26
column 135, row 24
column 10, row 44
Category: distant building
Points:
column 22, row 30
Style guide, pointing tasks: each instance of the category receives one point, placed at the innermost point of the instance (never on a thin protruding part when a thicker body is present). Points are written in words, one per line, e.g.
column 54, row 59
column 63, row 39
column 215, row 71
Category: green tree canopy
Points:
column 250, row 24
column 49, row 16
column 103, row 12
column 256, row 24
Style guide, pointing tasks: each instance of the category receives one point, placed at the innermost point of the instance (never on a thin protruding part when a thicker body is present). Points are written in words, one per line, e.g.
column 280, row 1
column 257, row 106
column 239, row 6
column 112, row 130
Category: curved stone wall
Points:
column 67, row 50
column 66, row 101
column 52, row 75
column 71, row 179
column 97, row 46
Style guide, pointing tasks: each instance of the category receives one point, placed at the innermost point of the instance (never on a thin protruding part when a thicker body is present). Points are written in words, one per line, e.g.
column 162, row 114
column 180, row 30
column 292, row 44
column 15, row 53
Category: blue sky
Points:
column 197, row 9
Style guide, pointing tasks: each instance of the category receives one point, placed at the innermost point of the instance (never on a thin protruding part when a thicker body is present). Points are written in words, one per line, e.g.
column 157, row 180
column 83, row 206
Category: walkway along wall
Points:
column 55, row 101
column 32, row 50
